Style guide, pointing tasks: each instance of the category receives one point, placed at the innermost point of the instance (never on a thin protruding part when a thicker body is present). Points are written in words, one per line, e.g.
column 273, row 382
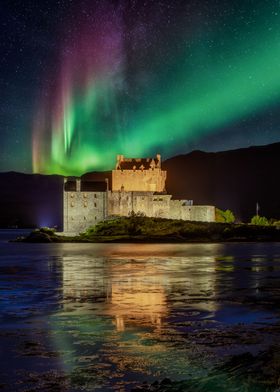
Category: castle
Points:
column 138, row 184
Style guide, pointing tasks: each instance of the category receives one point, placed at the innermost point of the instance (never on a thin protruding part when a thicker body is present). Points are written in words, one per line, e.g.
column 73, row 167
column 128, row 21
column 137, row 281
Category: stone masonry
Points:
column 137, row 185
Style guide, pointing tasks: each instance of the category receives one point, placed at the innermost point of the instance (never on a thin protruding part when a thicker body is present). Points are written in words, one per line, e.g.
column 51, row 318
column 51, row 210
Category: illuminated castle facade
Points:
column 138, row 185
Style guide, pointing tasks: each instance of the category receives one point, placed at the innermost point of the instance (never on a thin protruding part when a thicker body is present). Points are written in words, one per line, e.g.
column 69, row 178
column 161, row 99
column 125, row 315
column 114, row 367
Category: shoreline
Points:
column 155, row 230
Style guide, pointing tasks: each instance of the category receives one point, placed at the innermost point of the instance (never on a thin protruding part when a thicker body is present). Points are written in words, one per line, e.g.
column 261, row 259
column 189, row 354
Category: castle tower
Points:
column 138, row 174
column 84, row 204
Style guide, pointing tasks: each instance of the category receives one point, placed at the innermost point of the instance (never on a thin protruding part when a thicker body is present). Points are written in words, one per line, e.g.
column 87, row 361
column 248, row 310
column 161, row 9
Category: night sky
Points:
column 82, row 81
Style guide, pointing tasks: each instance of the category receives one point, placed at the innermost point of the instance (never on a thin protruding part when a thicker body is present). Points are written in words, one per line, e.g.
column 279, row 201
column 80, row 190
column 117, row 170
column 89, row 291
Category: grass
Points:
column 149, row 229
column 137, row 228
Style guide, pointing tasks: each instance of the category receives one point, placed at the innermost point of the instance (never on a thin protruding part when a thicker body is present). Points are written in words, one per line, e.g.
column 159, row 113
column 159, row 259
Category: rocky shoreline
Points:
column 157, row 230
column 241, row 373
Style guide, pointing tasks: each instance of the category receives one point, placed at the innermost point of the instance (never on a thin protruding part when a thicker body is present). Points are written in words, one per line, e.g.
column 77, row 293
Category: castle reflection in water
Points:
column 139, row 290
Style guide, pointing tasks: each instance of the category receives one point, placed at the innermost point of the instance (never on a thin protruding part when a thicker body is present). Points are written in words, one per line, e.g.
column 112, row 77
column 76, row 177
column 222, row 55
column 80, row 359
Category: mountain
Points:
column 236, row 179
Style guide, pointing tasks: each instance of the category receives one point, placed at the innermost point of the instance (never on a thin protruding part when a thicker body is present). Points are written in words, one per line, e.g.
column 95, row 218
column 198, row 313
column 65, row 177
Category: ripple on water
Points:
column 97, row 317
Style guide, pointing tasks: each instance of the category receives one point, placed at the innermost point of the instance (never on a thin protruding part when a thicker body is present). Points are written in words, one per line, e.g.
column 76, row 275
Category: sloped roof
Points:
column 137, row 163
column 93, row 186
column 86, row 186
column 70, row 186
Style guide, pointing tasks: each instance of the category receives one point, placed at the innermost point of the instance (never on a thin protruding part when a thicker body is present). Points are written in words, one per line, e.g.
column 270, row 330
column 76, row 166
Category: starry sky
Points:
column 82, row 81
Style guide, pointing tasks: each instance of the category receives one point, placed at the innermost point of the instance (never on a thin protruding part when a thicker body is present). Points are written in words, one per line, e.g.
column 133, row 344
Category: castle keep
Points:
column 137, row 185
column 141, row 175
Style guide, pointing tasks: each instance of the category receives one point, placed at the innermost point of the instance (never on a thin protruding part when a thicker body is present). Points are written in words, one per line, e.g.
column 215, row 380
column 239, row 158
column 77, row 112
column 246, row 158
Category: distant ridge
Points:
column 234, row 179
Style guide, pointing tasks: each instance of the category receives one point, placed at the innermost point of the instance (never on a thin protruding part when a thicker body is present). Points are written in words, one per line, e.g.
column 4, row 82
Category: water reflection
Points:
column 127, row 311
column 138, row 291
column 138, row 298
column 111, row 316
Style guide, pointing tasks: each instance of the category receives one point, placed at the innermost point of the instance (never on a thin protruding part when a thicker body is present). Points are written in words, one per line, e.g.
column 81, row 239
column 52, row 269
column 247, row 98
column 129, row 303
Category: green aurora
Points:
column 202, row 86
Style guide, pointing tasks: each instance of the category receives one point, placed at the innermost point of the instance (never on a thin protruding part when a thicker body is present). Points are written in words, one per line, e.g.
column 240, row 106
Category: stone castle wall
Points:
column 151, row 180
column 123, row 203
column 201, row 214
column 179, row 210
column 83, row 209
column 153, row 205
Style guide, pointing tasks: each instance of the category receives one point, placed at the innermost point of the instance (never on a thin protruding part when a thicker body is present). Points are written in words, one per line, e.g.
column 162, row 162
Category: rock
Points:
column 166, row 381
column 38, row 236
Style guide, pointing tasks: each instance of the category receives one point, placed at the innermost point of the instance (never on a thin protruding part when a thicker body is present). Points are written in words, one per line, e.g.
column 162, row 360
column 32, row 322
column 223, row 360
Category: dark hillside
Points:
column 232, row 179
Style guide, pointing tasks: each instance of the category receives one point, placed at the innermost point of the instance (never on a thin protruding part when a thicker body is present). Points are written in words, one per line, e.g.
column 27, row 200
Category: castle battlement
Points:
column 138, row 174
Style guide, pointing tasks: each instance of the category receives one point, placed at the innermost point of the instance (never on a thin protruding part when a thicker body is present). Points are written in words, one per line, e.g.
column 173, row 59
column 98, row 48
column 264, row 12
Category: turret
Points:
column 159, row 161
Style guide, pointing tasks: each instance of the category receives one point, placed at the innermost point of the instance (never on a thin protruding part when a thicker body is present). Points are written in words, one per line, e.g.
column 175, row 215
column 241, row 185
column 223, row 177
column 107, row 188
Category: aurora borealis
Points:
column 138, row 78
column 83, row 111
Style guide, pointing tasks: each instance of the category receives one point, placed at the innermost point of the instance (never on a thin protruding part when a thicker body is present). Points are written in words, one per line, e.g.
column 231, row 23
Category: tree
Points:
column 135, row 222
column 259, row 220
column 226, row 216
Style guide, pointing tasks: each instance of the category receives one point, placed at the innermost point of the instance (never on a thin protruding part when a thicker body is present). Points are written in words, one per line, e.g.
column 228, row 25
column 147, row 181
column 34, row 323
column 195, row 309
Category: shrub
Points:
column 259, row 220
column 135, row 222
column 226, row 216
column 47, row 230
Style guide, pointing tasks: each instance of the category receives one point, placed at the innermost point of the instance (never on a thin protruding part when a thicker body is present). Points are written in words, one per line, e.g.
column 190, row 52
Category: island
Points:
column 137, row 228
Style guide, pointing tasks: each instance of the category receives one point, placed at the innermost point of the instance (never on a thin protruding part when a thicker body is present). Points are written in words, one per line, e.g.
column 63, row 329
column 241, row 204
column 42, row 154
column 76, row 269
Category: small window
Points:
column 85, row 195
column 95, row 204
column 72, row 204
column 95, row 195
column 72, row 195
column 85, row 218
column 95, row 217
column 85, row 204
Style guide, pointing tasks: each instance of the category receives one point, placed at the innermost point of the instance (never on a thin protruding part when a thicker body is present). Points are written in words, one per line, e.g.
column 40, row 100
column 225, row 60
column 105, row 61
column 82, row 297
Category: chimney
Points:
column 159, row 160
column 78, row 185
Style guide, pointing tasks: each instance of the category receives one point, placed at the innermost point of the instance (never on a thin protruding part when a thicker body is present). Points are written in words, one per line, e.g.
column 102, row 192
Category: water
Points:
column 110, row 316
